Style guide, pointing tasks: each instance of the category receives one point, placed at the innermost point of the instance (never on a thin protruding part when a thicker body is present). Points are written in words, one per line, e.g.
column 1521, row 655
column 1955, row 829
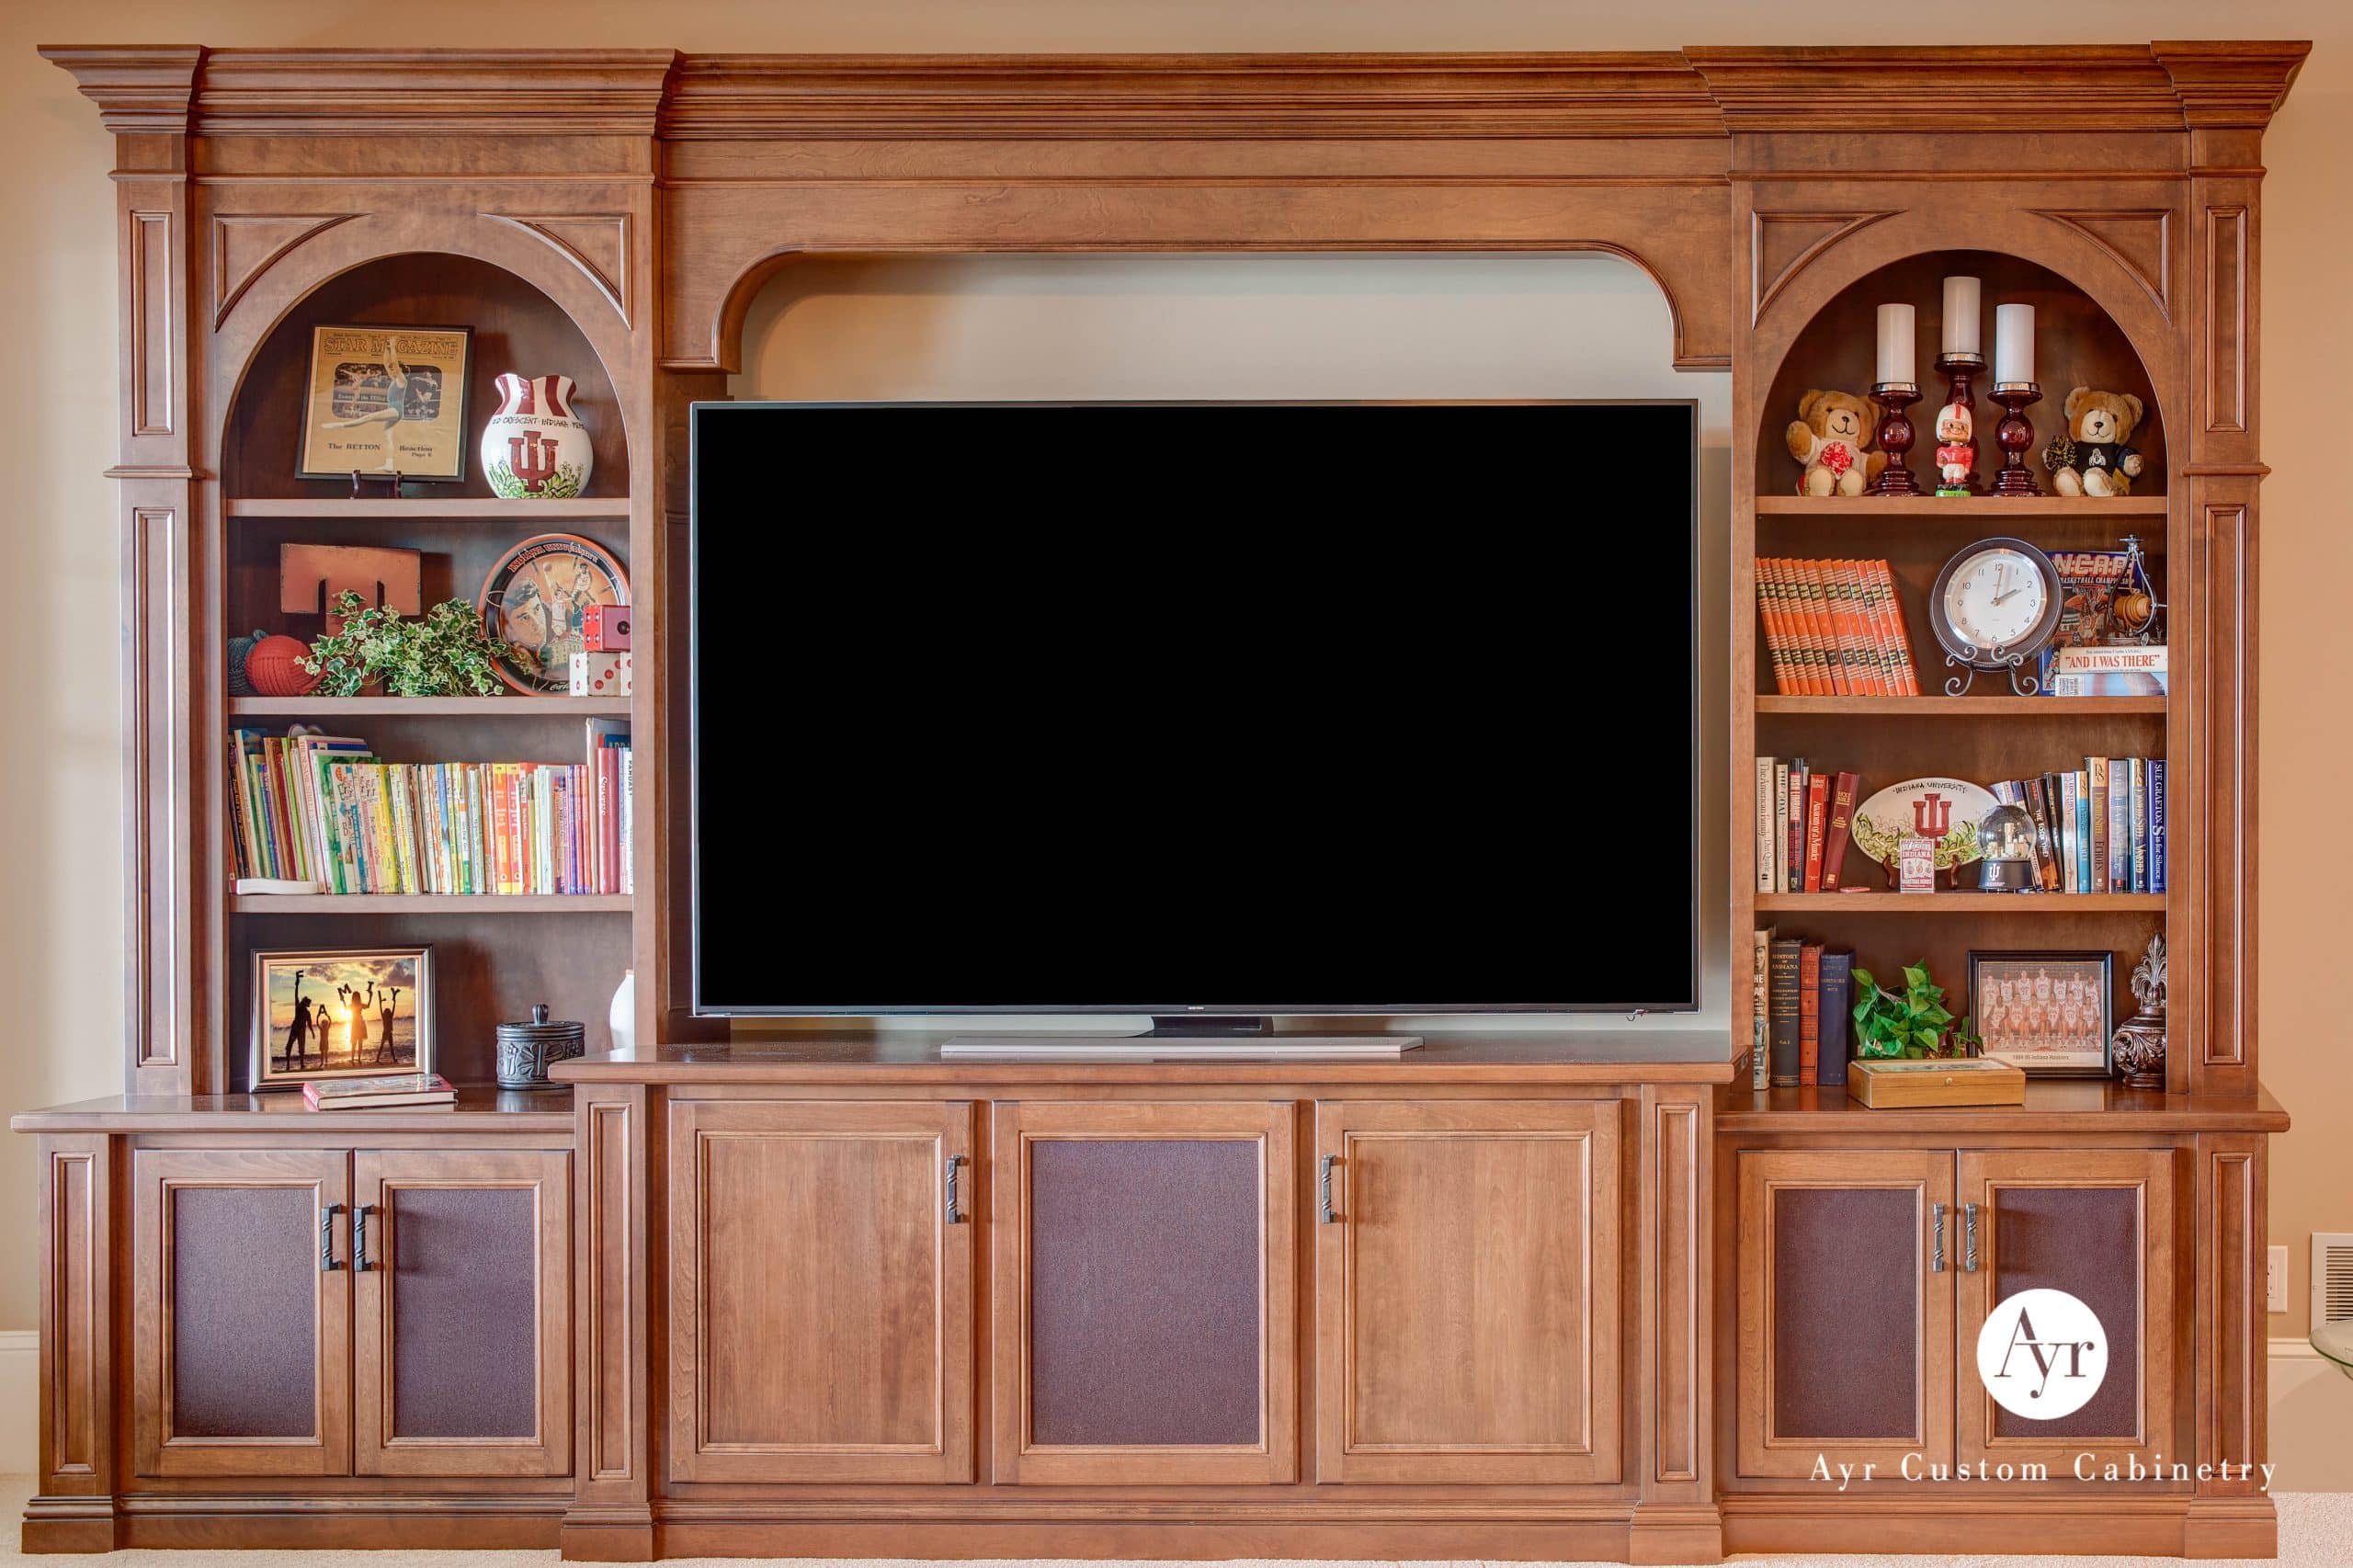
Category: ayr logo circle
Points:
column 2042, row 1354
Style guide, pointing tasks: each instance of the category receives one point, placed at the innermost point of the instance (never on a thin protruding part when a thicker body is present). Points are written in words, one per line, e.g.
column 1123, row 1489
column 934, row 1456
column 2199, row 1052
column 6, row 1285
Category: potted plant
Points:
column 1911, row 1023
column 444, row 653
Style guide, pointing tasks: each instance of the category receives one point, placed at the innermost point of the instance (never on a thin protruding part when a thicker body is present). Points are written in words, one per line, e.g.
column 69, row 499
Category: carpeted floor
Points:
column 2315, row 1531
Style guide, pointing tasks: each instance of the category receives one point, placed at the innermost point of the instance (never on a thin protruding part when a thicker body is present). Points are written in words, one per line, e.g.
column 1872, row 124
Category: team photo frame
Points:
column 327, row 1013
column 2051, row 1015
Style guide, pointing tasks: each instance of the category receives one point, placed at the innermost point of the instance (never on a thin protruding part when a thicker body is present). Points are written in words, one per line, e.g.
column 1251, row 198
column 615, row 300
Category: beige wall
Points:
column 60, row 842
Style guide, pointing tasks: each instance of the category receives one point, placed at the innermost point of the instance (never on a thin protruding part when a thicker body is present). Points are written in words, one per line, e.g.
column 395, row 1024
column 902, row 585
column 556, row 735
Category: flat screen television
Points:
column 1200, row 710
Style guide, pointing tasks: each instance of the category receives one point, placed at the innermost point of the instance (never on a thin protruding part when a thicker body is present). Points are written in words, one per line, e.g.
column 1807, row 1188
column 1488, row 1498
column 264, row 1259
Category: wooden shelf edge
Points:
column 2053, row 1105
column 430, row 903
column 1962, row 707
column 1976, row 506
column 1961, row 903
column 457, row 509
column 428, row 707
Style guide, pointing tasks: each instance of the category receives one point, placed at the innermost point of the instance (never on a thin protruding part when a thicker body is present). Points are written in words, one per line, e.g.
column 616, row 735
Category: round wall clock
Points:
column 533, row 599
column 1995, row 606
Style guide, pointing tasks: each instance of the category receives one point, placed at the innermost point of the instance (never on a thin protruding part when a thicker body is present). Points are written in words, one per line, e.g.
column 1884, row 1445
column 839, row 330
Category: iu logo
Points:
column 1932, row 815
column 2043, row 1355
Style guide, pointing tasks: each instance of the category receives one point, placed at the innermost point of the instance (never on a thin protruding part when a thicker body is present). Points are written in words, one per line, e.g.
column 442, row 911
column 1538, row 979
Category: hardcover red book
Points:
column 1834, row 837
column 1817, row 811
column 1809, row 1015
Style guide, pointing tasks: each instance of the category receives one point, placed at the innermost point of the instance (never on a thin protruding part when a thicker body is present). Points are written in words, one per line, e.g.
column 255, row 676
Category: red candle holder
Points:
column 1956, row 449
column 2014, row 435
column 1894, row 438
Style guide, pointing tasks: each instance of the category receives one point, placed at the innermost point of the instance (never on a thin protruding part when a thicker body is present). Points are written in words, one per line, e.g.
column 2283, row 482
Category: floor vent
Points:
column 2332, row 1277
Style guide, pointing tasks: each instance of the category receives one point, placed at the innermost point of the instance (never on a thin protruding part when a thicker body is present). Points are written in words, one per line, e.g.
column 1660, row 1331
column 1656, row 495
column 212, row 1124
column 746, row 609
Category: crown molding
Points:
column 1709, row 91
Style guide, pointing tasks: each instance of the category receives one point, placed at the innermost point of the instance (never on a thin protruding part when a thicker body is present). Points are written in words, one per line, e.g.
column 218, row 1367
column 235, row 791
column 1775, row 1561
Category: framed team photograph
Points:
column 340, row 1013
column 385, row 401
column 2050, row 1013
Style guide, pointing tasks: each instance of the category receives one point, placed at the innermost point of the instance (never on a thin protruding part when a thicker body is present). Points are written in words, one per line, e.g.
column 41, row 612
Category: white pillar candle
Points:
column 1895, row 347
column 2013, row 346
column 1960, row 333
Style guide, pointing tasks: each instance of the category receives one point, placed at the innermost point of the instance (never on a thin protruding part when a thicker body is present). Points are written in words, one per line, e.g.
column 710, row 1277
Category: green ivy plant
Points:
column 1909, row 1024
column 444, row 653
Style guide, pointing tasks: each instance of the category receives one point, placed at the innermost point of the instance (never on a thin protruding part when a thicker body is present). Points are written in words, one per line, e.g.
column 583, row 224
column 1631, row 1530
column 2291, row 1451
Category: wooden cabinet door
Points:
column 1144, row 1327
column 1845, row 1347
column 462, row 1312
column 1467, row 1291
column 821, row 1307
column 241, row 1313
column 2100, row 1226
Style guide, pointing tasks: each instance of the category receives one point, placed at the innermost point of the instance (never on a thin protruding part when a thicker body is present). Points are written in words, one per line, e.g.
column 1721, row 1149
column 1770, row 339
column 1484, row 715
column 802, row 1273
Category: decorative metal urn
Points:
column 2139, row 1044
column 526, row 1051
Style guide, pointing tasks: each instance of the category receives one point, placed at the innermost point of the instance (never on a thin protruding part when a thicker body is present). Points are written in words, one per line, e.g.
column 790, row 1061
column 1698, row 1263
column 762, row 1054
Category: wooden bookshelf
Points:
column 332, row 709
column 455, row 509
column 2008, row 707
column 2010, row 905
column 431, row 903
column 1976, row 510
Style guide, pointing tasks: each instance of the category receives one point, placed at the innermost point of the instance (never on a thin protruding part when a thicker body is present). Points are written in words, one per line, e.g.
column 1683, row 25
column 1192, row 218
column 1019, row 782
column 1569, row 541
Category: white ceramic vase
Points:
column 623, row 1017
column 535, row 445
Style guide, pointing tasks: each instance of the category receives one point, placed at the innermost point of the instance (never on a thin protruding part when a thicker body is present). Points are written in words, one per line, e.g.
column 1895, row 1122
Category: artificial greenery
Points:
column 1912, row 1023
column 444, row 653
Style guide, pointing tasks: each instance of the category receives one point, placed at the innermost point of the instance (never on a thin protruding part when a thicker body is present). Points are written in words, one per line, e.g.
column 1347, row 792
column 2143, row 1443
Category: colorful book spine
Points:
column 1808, row 1015
column 2070, row 853
column 1797, row 825
column 1761, row 1033
column 2140, row 820
column 2156, row 824
column 1766, row 817
column 1837, row 1008
column 2096, row 775
column 1782, row 990
column 1842, row 814
column 1817, row 815
column 2119, row 825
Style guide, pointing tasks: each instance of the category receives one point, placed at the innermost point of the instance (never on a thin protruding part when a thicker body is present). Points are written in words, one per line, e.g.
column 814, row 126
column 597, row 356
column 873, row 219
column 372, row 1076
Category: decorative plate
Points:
column 1946, row 810
column 533, row 599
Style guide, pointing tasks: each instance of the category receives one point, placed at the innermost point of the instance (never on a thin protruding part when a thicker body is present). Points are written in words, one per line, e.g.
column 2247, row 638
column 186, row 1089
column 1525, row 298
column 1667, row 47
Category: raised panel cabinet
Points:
column 2100, row 1226
column 1145, row 1298
column 461, row 1277
column 1846, row 1311
column 241, row 1313
column 1467, row 1288
column 821, row 1277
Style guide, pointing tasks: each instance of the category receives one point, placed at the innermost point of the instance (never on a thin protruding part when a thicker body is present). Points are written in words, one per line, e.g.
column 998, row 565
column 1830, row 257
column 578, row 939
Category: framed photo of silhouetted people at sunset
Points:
column 341, row 1013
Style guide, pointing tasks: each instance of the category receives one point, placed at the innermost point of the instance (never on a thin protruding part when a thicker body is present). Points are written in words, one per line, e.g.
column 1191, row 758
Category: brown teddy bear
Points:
column 2092, row 457
column 1828, row 436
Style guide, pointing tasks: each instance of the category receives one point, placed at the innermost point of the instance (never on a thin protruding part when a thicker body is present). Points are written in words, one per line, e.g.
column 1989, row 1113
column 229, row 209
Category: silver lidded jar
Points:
column 526, row 1051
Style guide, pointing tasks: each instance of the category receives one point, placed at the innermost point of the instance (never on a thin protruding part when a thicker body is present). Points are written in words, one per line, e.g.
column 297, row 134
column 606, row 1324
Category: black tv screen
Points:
column 1227, row 708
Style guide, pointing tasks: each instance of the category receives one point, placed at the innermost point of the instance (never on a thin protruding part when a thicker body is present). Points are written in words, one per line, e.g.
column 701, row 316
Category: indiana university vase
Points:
column 535, row 445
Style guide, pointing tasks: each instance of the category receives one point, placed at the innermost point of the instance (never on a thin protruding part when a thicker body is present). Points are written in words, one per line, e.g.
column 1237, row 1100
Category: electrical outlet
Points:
column 2276, row 1286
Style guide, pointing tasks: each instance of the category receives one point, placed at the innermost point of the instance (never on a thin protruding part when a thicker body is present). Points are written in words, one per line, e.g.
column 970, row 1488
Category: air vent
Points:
column 2332, row 1277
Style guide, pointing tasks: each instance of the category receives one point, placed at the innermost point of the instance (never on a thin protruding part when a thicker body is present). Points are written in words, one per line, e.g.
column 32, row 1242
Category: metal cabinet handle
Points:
column 1936, row 1258
column 1323, row 1182
column 1969, row 1223
column 359, row 1263
column 327, row 1212
column 954, row 1217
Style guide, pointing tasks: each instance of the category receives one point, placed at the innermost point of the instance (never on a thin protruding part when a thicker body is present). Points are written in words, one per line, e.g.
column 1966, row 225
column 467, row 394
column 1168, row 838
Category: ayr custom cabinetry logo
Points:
column 2043, row 1355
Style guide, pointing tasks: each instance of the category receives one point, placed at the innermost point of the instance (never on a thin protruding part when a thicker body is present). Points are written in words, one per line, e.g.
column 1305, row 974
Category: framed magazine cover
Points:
column 385, row 401
column 2048, row 1013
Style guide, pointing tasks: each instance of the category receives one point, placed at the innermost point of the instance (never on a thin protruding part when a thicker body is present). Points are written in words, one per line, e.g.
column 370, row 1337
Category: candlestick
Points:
column 2014, row 435
column 1957, row 423
column 1894, row 434
column 1960, row 335
column 1895, row 347
column 2013, row 346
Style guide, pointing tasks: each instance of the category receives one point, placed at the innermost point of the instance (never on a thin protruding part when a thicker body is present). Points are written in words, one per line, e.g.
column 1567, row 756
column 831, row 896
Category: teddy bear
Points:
column 1828, row 436
column 2092, row 457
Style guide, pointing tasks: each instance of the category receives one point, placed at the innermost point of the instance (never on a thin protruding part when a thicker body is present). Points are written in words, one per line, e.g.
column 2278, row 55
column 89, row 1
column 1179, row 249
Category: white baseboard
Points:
column 2311, row 1436
column 19, row 1401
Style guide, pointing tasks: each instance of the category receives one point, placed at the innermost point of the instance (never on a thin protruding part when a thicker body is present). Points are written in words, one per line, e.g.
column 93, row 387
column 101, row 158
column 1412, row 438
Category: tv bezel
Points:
column 1632, row 1006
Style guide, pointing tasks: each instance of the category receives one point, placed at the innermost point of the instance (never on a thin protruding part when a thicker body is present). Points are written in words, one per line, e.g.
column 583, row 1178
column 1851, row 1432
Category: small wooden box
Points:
column 1894, row 1085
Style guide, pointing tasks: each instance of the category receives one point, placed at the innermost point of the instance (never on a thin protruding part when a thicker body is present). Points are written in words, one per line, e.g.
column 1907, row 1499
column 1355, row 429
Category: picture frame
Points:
column 386, row 400
column 369, row 1012
column 2051, row 1013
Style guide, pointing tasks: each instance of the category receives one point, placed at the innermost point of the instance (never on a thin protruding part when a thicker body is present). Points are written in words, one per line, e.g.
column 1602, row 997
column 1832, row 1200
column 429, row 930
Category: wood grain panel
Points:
column 462, row 1339
column 292, row 1317
column 1468, row 1293
column 821, row 1318
column 154, row 346
column 1031, row 1267
column 1806, row 1387
column 2232, row 1364
column 2223, row 393
column 76, row 1315
column 1677, row 1247
column 2100, row 1226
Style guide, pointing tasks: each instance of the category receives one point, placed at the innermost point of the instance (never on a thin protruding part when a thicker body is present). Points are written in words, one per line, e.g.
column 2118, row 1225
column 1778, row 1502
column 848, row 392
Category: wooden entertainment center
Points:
column 1533, row 1296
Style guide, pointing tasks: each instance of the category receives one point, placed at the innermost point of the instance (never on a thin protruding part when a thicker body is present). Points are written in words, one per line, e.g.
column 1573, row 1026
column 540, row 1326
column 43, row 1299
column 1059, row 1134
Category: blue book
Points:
column 2156, row 824
column 2140, row 825
column 1837, row 1018
column 2084, row 840
column 2119, row 825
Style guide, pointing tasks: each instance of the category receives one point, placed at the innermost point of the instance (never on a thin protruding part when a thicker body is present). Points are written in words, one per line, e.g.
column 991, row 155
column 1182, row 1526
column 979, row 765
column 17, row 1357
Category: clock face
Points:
column 1995, row 597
